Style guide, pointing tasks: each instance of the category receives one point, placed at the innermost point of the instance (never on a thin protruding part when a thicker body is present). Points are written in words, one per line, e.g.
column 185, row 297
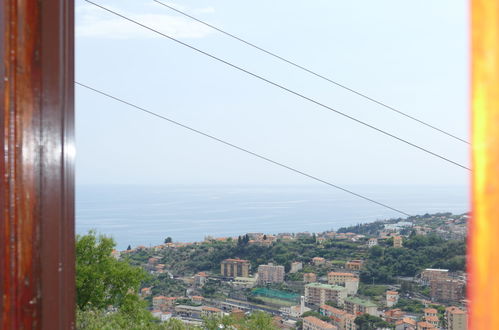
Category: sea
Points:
column 145, row 215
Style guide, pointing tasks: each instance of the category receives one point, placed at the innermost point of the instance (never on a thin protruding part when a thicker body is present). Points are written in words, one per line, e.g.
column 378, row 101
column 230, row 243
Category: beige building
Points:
column 447, row 290
column 397, row 241
column 354, row 264
column 456, row 318
column 270, row 274
column 235, row 268
column 350, row 322
column 338, row 278
column 209, row 311
column 309, row 278
column 200, row 279
column 318, row 294
column 348, row 280
column 392, row 297
column 356, row 306
column 313, row 323
column 244, row 282
column 430, row 274
column 296, row 267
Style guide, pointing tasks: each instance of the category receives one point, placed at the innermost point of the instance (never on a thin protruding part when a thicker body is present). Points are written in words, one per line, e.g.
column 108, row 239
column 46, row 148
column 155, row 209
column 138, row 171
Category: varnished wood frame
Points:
column 37, row 276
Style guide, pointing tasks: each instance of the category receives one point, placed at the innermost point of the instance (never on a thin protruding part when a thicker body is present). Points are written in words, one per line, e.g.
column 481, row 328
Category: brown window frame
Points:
column 37, row 259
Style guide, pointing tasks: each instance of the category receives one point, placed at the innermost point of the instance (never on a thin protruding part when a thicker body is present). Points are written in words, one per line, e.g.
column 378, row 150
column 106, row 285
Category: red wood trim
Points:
column 37, row 284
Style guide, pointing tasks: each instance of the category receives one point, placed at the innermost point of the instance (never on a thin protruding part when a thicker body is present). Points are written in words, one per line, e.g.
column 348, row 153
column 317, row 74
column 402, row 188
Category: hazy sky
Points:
column 410, row 54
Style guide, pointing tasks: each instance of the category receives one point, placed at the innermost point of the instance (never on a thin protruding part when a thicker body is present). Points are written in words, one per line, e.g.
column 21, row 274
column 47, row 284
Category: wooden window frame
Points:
column 37, row 259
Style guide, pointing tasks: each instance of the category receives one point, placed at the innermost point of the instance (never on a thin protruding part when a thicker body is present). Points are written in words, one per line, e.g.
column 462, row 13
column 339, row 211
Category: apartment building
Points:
column 296, row 267
column 397, row 241
column 270, row 274
column 235, row 268
column 354, row 265
column 313, row 323
column 372, row 242
column 456, row 318
column 430, row 274
column 337, row 316
column 348, row 280
column 337, row 278
column 447, row 290
column 318, row 294
column 392, row 297
column 309, row 278
column 350, row 322
column 357, row 306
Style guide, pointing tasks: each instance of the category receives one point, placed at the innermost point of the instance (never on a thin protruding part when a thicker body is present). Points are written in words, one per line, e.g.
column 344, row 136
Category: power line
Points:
column 314, row 73
column 238, row 148
column 280, row 86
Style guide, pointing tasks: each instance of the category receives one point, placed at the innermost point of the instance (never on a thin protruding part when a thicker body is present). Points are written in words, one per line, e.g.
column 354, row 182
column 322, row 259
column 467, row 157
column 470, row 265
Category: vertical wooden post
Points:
column 483, row 257
column 37, row 284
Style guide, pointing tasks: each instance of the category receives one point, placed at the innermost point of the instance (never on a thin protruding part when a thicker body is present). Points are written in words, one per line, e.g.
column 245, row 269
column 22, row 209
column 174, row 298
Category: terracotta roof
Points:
column 430, row 311
column 455, row 310
column 407, row 320
column 425, row 325
column 319, row 322
column 431, row 318
column 333, row 310
column 236, row 260
column 392, row 292
column 211, row 309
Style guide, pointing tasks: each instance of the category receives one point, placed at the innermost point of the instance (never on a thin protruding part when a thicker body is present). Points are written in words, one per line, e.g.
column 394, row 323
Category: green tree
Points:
column 370, row 322
column 102, row 280
column 168, row 240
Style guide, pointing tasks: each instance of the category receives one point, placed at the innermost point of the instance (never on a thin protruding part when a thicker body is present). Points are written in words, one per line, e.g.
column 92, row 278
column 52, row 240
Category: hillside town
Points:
column 403, row 274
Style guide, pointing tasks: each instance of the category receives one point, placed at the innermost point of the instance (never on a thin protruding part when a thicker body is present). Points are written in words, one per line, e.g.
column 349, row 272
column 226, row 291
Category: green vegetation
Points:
column 419, row 252
column 410, row 305
column 256, row 321
column 370, row 322
column 371, row 228
column 207, row 256
column 103, row 281
column 163, row 285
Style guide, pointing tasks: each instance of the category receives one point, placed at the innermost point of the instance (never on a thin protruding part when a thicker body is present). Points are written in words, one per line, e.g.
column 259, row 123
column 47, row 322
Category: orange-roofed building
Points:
column 354, row 265
column 423, row 325
column 392, row 297
column 433, row 320
column 146, row 292
column 336, row 315
column 406, row 324
column 456, row 318
column 393, row 315
column 313, row 323
column 211, row 311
